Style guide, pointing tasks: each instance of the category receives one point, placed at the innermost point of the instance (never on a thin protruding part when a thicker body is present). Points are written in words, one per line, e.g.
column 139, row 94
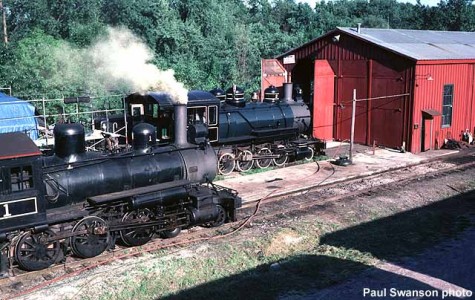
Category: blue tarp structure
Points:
column 17, row 115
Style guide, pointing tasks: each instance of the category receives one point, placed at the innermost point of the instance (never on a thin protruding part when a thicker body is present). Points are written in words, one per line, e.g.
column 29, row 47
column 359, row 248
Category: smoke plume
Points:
column 119, row 61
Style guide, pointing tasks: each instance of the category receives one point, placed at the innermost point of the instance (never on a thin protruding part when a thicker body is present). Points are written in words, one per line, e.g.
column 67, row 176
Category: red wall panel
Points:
column 428, row 94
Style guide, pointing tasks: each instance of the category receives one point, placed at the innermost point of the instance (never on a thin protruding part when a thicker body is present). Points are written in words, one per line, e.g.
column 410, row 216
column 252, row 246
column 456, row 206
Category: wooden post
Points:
column 353, row 116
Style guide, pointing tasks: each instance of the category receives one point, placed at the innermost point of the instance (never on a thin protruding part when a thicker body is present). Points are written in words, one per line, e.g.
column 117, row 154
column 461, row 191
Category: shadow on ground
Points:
column 392, row 238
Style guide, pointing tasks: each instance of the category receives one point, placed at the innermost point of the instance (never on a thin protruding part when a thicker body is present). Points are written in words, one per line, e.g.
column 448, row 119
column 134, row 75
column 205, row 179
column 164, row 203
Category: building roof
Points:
column 414, row 44
column 420, row 44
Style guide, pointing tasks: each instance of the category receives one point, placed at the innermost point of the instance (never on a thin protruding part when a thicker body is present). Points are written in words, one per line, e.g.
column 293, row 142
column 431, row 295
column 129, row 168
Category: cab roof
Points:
column 17, row 144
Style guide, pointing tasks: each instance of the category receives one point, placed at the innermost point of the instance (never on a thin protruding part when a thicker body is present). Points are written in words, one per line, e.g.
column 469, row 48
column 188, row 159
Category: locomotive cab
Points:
column 154, row 108
column 203, row 108
column 21, row 196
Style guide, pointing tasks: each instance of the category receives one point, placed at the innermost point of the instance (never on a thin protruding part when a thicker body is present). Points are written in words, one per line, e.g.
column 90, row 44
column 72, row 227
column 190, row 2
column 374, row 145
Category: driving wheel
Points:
column 140, row 235
column 37, row 251
column 92, row 237
column 226, row 163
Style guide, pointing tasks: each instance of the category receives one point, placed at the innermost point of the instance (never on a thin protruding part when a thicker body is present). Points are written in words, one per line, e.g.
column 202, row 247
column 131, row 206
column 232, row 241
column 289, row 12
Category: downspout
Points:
column 369, row 102
column 410, row 107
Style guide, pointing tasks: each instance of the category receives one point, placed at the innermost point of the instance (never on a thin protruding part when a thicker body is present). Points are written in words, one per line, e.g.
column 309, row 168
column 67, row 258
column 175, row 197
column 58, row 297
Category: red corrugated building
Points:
column 416, row 87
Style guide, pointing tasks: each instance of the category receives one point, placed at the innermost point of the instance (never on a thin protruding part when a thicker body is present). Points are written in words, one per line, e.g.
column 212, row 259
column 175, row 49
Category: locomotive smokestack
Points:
column 288, row 91
column 180, row 125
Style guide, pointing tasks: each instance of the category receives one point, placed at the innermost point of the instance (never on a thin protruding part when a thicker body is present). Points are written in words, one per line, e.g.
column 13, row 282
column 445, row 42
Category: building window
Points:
column 448, row 98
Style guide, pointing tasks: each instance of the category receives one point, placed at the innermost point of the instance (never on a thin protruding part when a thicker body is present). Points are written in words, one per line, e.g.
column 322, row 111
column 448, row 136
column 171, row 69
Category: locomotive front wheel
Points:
column 36, row 252
column 137, row 236
column 309, row 156
column 220, row 219
column 226, row 163
column 93, row 237
column 245, row 162
column 283, row 157
column 168, row 234
column 264, row 162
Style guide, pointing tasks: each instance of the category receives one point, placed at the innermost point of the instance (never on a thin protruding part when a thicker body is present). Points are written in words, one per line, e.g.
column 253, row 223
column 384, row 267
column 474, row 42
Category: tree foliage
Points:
column 208, row 43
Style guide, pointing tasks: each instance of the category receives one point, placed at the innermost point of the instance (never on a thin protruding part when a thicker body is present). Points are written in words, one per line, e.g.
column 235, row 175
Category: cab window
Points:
column 21, row 178
column 213, row 115
column 3, row 181
column 197, row 115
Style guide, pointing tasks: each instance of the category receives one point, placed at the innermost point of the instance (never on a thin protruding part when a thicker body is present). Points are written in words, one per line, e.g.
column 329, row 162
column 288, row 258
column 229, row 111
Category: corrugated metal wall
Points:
column 373, row 72
column 428, row 94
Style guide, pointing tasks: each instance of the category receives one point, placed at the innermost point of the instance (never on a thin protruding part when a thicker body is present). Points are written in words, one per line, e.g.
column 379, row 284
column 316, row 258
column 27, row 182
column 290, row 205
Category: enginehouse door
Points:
column 426, row 134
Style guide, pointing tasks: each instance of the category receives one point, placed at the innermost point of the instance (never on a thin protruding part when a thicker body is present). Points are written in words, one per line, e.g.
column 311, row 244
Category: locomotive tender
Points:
column 82, row 201
column 243, row 133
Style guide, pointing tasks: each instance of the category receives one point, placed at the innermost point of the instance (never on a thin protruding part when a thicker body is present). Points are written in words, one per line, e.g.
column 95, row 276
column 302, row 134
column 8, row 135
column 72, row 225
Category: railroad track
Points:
column 269, row 206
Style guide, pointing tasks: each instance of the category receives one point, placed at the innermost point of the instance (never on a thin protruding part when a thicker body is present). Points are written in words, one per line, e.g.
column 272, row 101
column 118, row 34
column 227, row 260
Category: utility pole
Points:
column 4, row 20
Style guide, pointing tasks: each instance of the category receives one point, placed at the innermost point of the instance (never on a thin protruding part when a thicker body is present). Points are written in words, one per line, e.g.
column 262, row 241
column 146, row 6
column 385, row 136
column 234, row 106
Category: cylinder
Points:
column 204, row 214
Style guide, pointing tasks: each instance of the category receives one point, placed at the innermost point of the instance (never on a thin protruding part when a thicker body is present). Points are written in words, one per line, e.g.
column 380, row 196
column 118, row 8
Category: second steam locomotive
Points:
column 244, row 134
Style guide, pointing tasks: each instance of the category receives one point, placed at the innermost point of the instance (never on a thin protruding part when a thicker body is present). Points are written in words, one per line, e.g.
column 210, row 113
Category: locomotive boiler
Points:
column 263, row 133
column 82, row 201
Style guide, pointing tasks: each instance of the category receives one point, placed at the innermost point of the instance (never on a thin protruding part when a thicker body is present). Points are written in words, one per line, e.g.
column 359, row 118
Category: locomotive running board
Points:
column 105, row 198
column 274, row 132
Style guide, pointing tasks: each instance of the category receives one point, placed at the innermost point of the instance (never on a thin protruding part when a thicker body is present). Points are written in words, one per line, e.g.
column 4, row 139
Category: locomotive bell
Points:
column 69, row 139
column 144, row 136
column 298, row 93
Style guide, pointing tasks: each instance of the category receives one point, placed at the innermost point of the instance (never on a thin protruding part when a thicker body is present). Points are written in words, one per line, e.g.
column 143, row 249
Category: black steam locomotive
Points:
column 82, row 201
column 243, row 133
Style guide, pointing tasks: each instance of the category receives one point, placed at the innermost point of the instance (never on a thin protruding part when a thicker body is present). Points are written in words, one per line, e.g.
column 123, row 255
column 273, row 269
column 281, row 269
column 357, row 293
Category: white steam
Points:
column 120, row 60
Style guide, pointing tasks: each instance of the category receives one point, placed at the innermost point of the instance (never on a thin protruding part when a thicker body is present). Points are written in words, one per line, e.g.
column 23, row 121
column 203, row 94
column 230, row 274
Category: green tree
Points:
column 456, row 15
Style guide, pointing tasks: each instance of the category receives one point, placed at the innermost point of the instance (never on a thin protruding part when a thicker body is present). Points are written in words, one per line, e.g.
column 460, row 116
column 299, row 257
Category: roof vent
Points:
column 358, row 28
